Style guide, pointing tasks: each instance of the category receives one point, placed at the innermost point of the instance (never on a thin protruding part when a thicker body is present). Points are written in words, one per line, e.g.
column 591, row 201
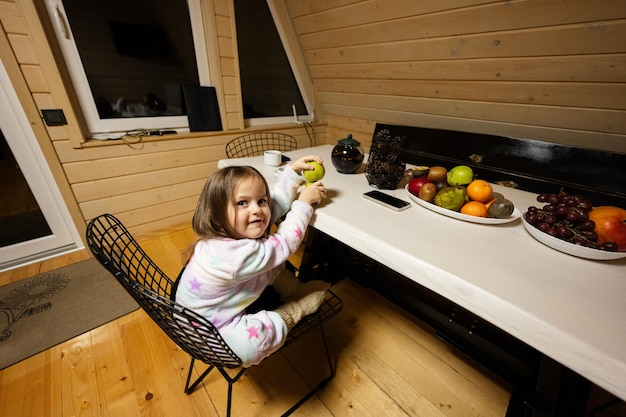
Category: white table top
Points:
column 571, row 309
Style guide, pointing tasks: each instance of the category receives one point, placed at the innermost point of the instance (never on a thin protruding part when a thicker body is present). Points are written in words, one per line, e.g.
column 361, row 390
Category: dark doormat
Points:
column 40, row 312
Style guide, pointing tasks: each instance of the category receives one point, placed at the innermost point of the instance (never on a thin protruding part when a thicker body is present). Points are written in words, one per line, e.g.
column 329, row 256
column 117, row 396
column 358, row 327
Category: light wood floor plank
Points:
column 79, row 388
column 114, row 389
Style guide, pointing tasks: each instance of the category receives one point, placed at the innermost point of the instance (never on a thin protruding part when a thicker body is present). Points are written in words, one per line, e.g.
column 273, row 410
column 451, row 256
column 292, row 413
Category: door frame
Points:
column 65, row 237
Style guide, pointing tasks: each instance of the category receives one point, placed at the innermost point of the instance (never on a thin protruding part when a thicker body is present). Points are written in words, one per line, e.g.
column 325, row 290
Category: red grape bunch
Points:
column 567, row 217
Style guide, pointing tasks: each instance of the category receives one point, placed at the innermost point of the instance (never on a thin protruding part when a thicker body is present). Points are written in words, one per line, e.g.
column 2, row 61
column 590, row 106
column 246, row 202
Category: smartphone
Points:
column 387, row 200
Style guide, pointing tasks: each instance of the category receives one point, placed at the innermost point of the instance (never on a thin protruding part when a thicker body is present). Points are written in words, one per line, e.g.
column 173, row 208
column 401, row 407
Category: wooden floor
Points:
column 388, row 364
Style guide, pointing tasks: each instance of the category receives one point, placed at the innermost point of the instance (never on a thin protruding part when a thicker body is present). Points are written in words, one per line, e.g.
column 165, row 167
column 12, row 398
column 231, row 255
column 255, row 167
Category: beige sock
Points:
column 291, row 288
column 293, row 311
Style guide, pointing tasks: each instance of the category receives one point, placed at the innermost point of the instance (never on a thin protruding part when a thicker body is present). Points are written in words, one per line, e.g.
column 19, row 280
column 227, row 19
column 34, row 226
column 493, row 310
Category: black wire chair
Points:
column 115, row 248
column 254, row 144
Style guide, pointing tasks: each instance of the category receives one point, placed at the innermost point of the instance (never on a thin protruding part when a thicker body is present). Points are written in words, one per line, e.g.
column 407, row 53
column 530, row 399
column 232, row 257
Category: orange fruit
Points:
column 479, row 190
column 474, row 208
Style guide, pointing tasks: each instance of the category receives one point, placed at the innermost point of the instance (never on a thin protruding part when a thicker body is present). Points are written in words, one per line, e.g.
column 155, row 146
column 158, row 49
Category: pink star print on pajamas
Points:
column 252, row 332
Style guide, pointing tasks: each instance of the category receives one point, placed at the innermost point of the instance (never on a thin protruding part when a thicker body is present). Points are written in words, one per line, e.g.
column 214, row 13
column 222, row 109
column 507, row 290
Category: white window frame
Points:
column 106, row 127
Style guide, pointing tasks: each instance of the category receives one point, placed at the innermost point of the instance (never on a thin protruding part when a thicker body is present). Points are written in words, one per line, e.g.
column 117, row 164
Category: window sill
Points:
column 92, row 142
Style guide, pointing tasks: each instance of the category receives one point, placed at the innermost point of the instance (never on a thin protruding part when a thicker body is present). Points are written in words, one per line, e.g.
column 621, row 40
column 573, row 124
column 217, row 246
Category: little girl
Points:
column 235, row 259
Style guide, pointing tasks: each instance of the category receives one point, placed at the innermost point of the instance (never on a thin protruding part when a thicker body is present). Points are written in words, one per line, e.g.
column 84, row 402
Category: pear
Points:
column 451, row 198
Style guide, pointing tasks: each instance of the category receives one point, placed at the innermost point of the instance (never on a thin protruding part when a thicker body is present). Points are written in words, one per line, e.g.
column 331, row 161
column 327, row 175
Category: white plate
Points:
column 570, row 248
column 461, row 216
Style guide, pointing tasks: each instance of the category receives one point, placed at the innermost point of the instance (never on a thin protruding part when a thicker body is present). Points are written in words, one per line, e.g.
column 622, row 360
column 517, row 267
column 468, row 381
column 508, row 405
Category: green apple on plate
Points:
column 460, row 175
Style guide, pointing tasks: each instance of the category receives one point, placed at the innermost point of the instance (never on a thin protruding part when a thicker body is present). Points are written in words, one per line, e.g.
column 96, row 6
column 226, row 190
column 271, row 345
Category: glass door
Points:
column 34, row 222
column 21, row 218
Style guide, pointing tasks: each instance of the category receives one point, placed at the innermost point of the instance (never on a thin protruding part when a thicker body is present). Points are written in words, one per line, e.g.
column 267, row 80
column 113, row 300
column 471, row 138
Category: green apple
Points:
column 460, row 175
column 315, row 174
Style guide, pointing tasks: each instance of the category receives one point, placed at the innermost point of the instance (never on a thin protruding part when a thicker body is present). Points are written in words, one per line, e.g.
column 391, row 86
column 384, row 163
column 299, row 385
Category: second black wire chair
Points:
column 254, row 144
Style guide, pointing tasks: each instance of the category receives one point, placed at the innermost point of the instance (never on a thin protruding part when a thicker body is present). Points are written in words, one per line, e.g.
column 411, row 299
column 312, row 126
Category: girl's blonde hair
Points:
column 210, row 220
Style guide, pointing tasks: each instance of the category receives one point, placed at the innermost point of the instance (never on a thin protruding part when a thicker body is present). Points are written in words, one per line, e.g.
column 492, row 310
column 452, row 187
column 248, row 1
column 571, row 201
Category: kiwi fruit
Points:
column 428, row 191
column 501, row 208
column 437, row 173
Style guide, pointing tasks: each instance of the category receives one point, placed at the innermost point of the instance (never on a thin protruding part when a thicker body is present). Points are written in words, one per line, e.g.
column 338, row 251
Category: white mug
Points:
column 273, row 158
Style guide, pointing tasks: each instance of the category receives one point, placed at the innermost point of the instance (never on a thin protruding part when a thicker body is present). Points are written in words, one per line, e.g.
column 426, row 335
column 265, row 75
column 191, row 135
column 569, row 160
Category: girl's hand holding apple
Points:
column 312, row 169
column 313, row 193
column 308, row 163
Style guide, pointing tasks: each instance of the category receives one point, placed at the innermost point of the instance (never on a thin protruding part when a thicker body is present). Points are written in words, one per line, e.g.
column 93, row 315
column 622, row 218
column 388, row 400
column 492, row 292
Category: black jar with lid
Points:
column 347, row 156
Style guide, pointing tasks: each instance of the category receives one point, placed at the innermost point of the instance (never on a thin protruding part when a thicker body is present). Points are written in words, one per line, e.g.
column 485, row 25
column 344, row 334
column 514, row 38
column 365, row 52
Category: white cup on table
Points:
column 273, row 158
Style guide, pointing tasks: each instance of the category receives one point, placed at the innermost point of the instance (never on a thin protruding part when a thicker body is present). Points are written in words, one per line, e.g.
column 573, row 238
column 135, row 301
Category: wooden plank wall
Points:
column 153, row 186
column 551, row 70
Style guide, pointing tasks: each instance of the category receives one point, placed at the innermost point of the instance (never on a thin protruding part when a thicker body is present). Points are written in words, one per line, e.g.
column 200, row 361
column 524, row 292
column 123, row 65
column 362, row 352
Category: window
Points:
column 128, row 61
column 268, row 85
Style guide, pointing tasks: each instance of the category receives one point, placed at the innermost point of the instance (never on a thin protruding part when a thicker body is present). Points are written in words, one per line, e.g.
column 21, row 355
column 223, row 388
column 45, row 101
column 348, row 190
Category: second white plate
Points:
column 570, row 248
column 461, row 216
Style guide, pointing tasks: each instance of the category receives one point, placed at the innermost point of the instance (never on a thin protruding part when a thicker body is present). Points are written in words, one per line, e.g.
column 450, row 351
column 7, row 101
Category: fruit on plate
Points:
column 475, row 208
column 420, row 170
column 460, row 175
column 456, row 188
column 500, row 208
column 441, row 184
column 415, row 184
column 567, row 217
column 437, row 173
column 479, row 190
column 451, row 198
column 315, row 174
column 415, row 172
column 610, row 225
column 494, row 196
column 428, row 191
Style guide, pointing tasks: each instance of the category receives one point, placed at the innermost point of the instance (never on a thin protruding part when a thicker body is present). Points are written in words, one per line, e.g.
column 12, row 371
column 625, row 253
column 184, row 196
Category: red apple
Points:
column 610, row 225
column 416, row 183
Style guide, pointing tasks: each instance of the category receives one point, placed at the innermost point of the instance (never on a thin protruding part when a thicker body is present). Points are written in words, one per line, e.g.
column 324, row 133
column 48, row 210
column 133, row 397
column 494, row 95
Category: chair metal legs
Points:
column 322, row 383
column 232, row 379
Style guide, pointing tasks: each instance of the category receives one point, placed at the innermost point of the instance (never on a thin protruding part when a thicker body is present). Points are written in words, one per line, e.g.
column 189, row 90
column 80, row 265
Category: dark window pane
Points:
column 268, row 85
column 136, row 54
